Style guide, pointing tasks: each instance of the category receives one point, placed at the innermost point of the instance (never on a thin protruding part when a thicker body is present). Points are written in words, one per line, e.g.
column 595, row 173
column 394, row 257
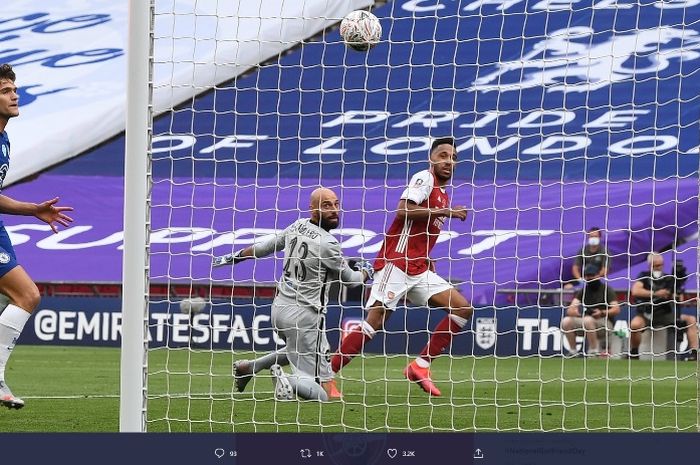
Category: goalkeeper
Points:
column 312, row 260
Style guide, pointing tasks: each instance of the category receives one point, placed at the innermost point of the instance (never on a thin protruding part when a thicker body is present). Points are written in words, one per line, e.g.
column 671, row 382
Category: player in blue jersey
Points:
column 15, row 283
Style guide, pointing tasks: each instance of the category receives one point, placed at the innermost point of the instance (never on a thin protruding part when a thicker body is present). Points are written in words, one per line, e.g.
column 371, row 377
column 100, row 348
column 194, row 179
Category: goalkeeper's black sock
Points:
column 634, row 353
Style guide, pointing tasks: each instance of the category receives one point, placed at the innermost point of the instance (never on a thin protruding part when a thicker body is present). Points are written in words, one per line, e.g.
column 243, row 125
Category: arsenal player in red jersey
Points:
column 404, row 269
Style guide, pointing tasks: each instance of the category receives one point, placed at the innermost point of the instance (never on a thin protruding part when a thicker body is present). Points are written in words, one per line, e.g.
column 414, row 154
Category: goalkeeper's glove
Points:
column 228, row 259
column 363, row 265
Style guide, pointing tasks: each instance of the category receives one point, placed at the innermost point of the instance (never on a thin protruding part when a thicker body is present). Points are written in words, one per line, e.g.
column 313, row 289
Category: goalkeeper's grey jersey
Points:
column 312, row 260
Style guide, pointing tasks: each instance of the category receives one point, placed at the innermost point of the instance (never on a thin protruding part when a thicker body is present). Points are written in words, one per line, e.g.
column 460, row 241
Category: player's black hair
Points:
column 440, row 141
column 594, row 229
column 6, row 72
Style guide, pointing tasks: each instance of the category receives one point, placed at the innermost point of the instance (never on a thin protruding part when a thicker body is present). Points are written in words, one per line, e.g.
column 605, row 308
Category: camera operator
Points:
column 594, row 253
column 655, row 294
column 592, row 311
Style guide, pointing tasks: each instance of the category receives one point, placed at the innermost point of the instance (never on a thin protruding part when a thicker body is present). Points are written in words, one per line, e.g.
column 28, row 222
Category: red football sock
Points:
column 441, row 338
column 351, row 346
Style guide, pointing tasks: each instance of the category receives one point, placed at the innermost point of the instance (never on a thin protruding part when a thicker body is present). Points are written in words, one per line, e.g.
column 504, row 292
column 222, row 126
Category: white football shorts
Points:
column 392, row 285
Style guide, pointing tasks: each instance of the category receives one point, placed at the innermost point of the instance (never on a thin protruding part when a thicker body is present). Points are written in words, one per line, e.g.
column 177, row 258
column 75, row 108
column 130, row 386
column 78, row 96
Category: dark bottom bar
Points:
column 349, row 448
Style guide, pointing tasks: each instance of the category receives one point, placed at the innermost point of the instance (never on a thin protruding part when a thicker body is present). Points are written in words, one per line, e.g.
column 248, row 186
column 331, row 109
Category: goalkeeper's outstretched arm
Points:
column 259, row 250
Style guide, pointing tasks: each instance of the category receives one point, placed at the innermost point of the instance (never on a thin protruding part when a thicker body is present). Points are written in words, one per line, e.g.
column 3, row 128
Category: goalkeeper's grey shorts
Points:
column 304, row 331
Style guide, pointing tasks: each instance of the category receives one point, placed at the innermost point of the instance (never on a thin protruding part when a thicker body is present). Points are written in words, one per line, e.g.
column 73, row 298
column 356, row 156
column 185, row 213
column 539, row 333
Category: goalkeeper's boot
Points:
column 332, row 390
column 283, row 388
column 7, row 399
column 421, row 376
column 242, row 374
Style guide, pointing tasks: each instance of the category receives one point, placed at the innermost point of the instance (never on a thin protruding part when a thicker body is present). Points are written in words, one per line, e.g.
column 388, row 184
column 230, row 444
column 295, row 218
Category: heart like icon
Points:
column 391, row 453
column 219, row 453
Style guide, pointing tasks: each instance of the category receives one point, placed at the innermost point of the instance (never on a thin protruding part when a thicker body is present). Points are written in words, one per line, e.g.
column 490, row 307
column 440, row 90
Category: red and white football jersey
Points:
column 408, row 243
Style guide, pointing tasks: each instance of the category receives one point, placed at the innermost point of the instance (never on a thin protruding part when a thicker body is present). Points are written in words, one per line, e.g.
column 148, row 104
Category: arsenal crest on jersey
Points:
column 485, row 332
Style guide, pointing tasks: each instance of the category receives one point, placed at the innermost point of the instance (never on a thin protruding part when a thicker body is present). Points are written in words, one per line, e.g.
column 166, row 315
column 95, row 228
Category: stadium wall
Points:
column 96, row 321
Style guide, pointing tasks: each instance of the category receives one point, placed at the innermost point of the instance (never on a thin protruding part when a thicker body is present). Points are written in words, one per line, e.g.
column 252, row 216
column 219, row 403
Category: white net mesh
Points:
column 567, row 116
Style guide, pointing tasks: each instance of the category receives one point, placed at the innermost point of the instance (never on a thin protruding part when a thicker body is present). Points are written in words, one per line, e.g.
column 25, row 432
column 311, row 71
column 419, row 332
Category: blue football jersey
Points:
column 4, row 156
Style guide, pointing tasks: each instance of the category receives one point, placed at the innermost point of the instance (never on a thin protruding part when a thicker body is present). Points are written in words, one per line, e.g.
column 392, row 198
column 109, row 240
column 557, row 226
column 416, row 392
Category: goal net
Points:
column 568, row 116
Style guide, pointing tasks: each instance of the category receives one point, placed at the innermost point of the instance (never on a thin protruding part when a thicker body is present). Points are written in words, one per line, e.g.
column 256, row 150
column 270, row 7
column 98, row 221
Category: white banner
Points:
column 69, row 56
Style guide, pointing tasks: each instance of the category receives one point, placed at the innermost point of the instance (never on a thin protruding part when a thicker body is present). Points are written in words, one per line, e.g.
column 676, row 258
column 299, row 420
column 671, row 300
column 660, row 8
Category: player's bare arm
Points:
column 411, row 211
column 47, row 211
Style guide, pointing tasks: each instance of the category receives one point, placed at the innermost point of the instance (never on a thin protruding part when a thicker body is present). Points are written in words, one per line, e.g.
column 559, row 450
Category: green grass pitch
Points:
column 76, row 390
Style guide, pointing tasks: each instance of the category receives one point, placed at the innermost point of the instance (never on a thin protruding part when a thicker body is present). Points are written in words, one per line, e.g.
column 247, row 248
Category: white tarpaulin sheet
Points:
column 69, row 56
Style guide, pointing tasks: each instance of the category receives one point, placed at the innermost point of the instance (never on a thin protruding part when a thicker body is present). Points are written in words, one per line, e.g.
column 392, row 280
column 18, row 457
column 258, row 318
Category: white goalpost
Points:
column 568, row 117
column 132, row 405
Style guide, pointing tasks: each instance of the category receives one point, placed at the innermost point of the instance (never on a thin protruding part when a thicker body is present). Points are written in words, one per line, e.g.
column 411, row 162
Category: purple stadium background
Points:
column 541, row 228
